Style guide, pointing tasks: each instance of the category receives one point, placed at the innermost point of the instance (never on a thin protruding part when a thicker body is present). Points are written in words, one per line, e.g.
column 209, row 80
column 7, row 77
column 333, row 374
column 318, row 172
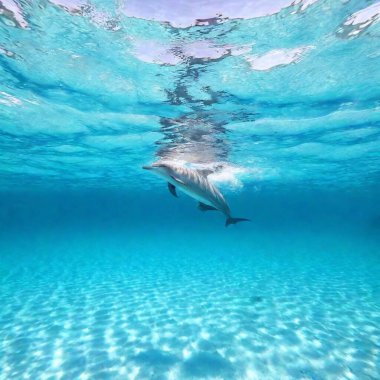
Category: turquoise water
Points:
column 105, row 275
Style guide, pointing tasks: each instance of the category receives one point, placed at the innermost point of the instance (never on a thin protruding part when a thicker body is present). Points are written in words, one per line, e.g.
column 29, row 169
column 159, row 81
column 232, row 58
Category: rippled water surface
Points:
column 104, row 275
column 89, row 92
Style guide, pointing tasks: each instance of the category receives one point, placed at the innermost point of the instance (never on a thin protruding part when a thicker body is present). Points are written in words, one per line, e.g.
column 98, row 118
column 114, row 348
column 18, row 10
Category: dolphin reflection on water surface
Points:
column 197, row 137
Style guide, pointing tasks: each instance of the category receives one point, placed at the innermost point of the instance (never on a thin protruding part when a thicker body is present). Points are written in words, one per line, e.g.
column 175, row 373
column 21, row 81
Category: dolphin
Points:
column 195, row 184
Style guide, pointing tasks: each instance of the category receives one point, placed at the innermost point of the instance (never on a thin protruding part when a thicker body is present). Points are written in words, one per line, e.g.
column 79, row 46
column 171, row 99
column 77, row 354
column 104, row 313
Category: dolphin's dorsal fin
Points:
column 172, row 189
column 204, row 207
column 205, row 172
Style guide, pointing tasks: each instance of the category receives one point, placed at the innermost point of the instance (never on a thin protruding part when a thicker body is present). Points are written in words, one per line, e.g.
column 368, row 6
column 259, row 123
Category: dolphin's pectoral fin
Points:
column 178, row 180
column 172, row 189
column 204, row 207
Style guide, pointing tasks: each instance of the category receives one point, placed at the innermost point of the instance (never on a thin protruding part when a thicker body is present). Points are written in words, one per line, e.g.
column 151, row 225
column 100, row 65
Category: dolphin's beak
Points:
column 147, row 167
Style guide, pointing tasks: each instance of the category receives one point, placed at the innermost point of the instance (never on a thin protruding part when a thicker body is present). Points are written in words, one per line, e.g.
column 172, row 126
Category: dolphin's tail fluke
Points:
column 231, row 220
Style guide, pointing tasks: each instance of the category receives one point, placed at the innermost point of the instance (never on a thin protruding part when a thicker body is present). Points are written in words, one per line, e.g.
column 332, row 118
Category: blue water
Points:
column 105, row 275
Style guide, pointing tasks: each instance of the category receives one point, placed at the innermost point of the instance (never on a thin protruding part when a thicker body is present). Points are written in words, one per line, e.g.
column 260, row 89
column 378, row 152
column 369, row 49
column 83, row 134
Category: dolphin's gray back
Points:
column 198, row 183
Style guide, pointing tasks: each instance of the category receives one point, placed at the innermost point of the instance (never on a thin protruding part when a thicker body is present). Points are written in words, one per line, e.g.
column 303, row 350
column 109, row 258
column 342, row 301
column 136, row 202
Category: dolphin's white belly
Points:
column 190, row 193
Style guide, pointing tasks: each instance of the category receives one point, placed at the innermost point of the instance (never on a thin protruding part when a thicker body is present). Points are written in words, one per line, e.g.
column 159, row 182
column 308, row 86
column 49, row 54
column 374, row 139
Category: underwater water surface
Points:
column 104, row 274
